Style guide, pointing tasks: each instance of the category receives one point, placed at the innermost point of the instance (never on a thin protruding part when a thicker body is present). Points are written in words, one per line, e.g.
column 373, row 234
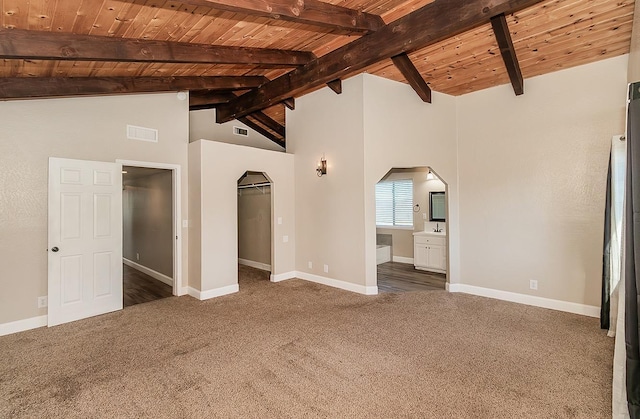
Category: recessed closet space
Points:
column 254, row 225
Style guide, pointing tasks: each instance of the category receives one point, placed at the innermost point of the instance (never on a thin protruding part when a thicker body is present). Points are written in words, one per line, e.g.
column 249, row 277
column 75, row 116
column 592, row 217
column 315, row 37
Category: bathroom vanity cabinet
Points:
column 430, row 251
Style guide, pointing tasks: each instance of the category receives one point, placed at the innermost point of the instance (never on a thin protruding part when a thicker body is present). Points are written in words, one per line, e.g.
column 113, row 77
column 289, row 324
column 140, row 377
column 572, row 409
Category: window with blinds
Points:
column 394, row 203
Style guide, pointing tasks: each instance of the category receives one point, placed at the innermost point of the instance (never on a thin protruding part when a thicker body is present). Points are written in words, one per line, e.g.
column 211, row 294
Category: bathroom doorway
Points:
column 254, row 227
column 411, row 230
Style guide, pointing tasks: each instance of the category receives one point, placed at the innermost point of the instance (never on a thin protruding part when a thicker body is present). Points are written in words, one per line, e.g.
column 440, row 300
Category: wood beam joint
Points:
column 336, row 86
column 260, row 129
column 508, row 52
column 412, row 76
column 290, row 103
column 426, row 26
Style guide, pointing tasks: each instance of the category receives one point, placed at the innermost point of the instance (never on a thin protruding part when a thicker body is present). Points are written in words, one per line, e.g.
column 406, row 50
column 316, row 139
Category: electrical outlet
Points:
column 326, row 269
column 310, row 265
column 285, row 239
column 185, row 223
column 279, row 220
column 42, row 302
column 137, row 256
column 424, row 215
column 533, row 284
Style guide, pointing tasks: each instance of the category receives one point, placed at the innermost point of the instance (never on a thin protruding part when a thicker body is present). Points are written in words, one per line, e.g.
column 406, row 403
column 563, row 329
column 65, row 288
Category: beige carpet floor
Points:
column 297, row 349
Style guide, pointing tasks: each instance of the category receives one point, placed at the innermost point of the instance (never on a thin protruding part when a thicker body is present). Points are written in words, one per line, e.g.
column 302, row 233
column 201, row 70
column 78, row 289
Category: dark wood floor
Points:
column 402, row 277
column 141, row 288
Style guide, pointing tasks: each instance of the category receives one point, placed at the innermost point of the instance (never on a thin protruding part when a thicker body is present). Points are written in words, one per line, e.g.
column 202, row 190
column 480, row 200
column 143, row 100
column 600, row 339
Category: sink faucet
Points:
column 437, row 229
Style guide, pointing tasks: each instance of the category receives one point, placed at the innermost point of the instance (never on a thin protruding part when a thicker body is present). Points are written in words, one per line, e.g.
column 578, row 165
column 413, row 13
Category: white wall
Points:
column 203, row 126
column 402, row 131
column 214, row 172
column 91, row 128
column 532, row 181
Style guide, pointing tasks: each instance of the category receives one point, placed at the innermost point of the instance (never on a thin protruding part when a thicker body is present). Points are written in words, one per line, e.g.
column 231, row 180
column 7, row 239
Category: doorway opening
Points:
column 255, row 227
column 150, row 224
column 411, row 230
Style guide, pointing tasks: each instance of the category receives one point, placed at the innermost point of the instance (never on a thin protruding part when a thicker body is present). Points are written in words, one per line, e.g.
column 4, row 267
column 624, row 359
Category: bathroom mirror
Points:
column 437, row 207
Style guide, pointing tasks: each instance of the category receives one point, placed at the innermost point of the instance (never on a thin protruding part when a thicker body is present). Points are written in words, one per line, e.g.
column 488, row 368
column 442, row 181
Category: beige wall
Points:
column 147, row 221
column 202, row 126
column 78, row 128
column 254, row 224
column 373, row 126
column 532, row 181
column 329, row 209
column 403, row 238
column 214, row 172
column 633, row 73
column 403, row 131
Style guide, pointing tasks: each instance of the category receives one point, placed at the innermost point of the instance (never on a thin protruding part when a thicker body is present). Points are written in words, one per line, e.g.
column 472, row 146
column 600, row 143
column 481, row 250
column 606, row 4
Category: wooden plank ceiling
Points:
column 194, row 38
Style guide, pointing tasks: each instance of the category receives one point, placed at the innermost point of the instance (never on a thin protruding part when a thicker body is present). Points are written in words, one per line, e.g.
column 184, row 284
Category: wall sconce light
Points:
column 430, row 175
column 322, row 167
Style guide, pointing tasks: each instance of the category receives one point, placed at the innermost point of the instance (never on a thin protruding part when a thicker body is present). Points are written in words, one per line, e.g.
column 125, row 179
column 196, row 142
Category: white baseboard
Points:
column 217, row 292
column 531, row 300
column 154, row 274
column 254, row 264
column 283, row 277
column 183, row 291
column 403, row 259
column 348, row 286
column 22, row 325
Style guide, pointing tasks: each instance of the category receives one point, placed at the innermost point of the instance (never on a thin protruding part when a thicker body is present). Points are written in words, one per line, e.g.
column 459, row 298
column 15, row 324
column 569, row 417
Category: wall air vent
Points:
column 142, row 134
column 243, row 132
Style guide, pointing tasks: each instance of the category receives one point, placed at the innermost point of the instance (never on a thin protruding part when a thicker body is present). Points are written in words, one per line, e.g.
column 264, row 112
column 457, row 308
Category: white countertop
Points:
column 430, row 233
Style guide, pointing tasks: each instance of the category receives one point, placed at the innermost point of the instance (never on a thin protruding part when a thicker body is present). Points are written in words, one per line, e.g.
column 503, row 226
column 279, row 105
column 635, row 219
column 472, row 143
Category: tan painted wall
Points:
column 373, row 126
column 254, row 224
column 329, row 209
column 533, row 170
column 147, row 221
column 214, row 171
column 78, row 128
column 633, row 73
column 403, row 131
column 202, row 126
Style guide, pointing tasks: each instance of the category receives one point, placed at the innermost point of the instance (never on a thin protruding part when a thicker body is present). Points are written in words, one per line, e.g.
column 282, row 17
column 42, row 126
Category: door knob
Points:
column 54, row 249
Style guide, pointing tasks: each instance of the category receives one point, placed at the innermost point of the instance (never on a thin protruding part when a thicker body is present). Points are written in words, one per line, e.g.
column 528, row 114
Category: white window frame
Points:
column 394, row 225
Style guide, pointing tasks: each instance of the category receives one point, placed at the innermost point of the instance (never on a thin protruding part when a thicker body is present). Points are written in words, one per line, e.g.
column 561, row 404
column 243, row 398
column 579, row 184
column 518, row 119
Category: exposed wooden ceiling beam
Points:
column 23, row 44
column 412, row 76
column 503, row 36
column 272, row 124
column 31, row 87
column 336, row 86
column 432, row 23
column 257, row 127
column 290, row 103
column 208, row 99
column 312, row 12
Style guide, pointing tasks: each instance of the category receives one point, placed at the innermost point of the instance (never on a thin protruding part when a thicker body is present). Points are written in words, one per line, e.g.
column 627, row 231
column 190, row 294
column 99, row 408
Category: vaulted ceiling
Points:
column 248, row 57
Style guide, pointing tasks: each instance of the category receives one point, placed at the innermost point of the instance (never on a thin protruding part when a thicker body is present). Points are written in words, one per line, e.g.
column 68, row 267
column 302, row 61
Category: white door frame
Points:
column 178, row 289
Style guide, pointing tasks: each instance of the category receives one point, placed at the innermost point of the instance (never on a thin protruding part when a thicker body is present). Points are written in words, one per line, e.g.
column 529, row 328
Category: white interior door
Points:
column 85, row 239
